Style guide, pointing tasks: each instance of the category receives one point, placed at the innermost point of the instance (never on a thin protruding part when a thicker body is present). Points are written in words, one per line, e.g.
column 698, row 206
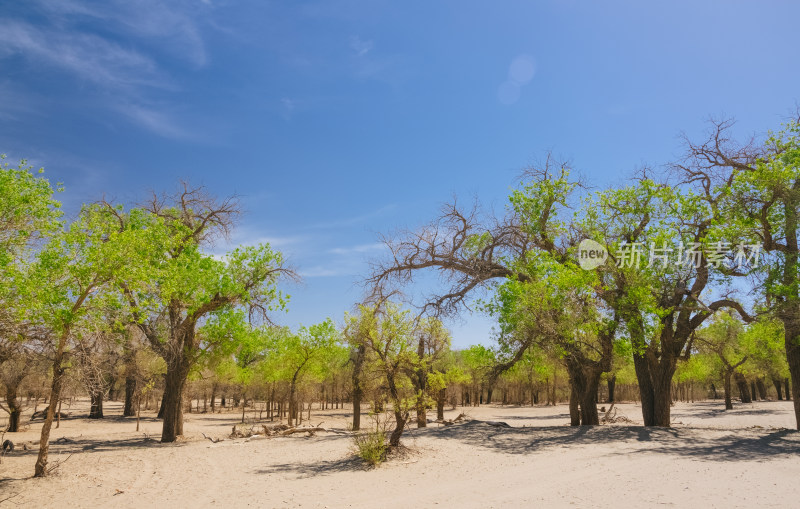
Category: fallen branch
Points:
column 213, row 440
column 497, row 424
column 309, row 430
column 58, row 464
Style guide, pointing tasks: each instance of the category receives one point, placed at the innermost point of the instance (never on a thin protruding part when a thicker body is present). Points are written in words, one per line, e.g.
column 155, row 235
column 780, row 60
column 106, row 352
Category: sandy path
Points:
column 716, row 459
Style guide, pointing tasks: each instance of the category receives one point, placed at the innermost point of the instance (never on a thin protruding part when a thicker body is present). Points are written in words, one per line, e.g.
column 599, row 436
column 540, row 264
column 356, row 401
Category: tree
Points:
column 477, row 253
column 660, row 302
column 433, row 342
column 29, row 215
column 172, row 286
column 70, row 275
column 766, row 204
column 302, row 353
column 389, row 336
column 723, row 338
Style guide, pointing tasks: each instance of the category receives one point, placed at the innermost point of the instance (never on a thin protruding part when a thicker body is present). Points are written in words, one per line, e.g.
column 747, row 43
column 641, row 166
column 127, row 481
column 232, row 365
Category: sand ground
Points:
column 748, row 457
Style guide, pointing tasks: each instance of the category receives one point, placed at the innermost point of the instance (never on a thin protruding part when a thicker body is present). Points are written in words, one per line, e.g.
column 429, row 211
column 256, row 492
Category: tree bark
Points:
column 762, row 389
column 96, row 408
column 130, row 393
column 727, row 384
column 778, row 388
column 175, row 380
column 646, row 392
column 744, row 391
column 14, row 407
column 612, row 382
column 40, row 469
column 441, row 396
column 359, row 354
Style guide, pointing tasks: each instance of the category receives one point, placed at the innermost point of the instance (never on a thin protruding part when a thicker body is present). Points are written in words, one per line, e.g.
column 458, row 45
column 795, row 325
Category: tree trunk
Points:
column 400, row 424
column 584, row 382
column 175, row 380
column 646, row 392
column 786, row 389
column 713, row 390
column 778, row 388
column 762, row 389
column 213, row 396
column 744, row 391
column 574, row 405
column 441, row 396
column 422, row 410
column 40, row 469
column 130, row 393
column 14, row 407
column 727, row 384
column 96, row 409
column 612, row 382
column 421, row 383
column 359, row 354
column 292, row 402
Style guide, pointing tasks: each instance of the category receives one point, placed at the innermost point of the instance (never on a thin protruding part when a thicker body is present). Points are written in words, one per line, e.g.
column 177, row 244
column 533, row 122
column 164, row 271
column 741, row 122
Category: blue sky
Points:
column 339, row 120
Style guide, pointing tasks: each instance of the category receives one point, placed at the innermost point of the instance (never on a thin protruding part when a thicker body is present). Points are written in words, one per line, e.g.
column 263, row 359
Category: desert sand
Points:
column 747, row 457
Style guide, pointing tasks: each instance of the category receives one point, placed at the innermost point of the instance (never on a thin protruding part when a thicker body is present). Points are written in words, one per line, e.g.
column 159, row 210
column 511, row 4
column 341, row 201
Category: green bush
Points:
column 371, row 445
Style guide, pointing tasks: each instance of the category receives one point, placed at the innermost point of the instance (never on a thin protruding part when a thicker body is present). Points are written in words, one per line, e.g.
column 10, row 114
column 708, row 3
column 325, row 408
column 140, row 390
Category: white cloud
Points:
column 350, row 221
column 86, row 56
column 175, row 22
column 126, row 72
column 358, row 249
column 322, row 271
column 359, row 47
column 155, row 121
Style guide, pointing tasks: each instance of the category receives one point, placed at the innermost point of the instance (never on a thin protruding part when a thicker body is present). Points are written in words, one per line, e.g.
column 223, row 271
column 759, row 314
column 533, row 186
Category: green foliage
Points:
column 371, row 445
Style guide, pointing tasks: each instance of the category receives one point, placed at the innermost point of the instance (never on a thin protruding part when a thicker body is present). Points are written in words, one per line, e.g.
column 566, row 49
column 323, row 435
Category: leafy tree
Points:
column 433, row 342
column 387, row 333
column 304, row 353
column 172, row 286
column 70, row 275
column 766, row 204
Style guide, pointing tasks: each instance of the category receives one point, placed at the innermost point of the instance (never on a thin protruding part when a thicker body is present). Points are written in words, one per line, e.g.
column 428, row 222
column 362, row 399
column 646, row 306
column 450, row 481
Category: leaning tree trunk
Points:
column 400, row 417
column 778, row 388
column 40, row 469
column 744, row 391
column 762, row 389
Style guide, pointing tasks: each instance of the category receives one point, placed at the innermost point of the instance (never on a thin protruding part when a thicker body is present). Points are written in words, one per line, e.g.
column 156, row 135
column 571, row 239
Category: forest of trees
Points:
column 699, row 299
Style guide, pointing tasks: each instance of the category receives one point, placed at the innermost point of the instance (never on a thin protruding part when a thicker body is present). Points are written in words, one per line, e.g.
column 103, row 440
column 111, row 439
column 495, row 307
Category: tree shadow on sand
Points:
column 705, row 410
column 303, row 470
column 700, row 443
